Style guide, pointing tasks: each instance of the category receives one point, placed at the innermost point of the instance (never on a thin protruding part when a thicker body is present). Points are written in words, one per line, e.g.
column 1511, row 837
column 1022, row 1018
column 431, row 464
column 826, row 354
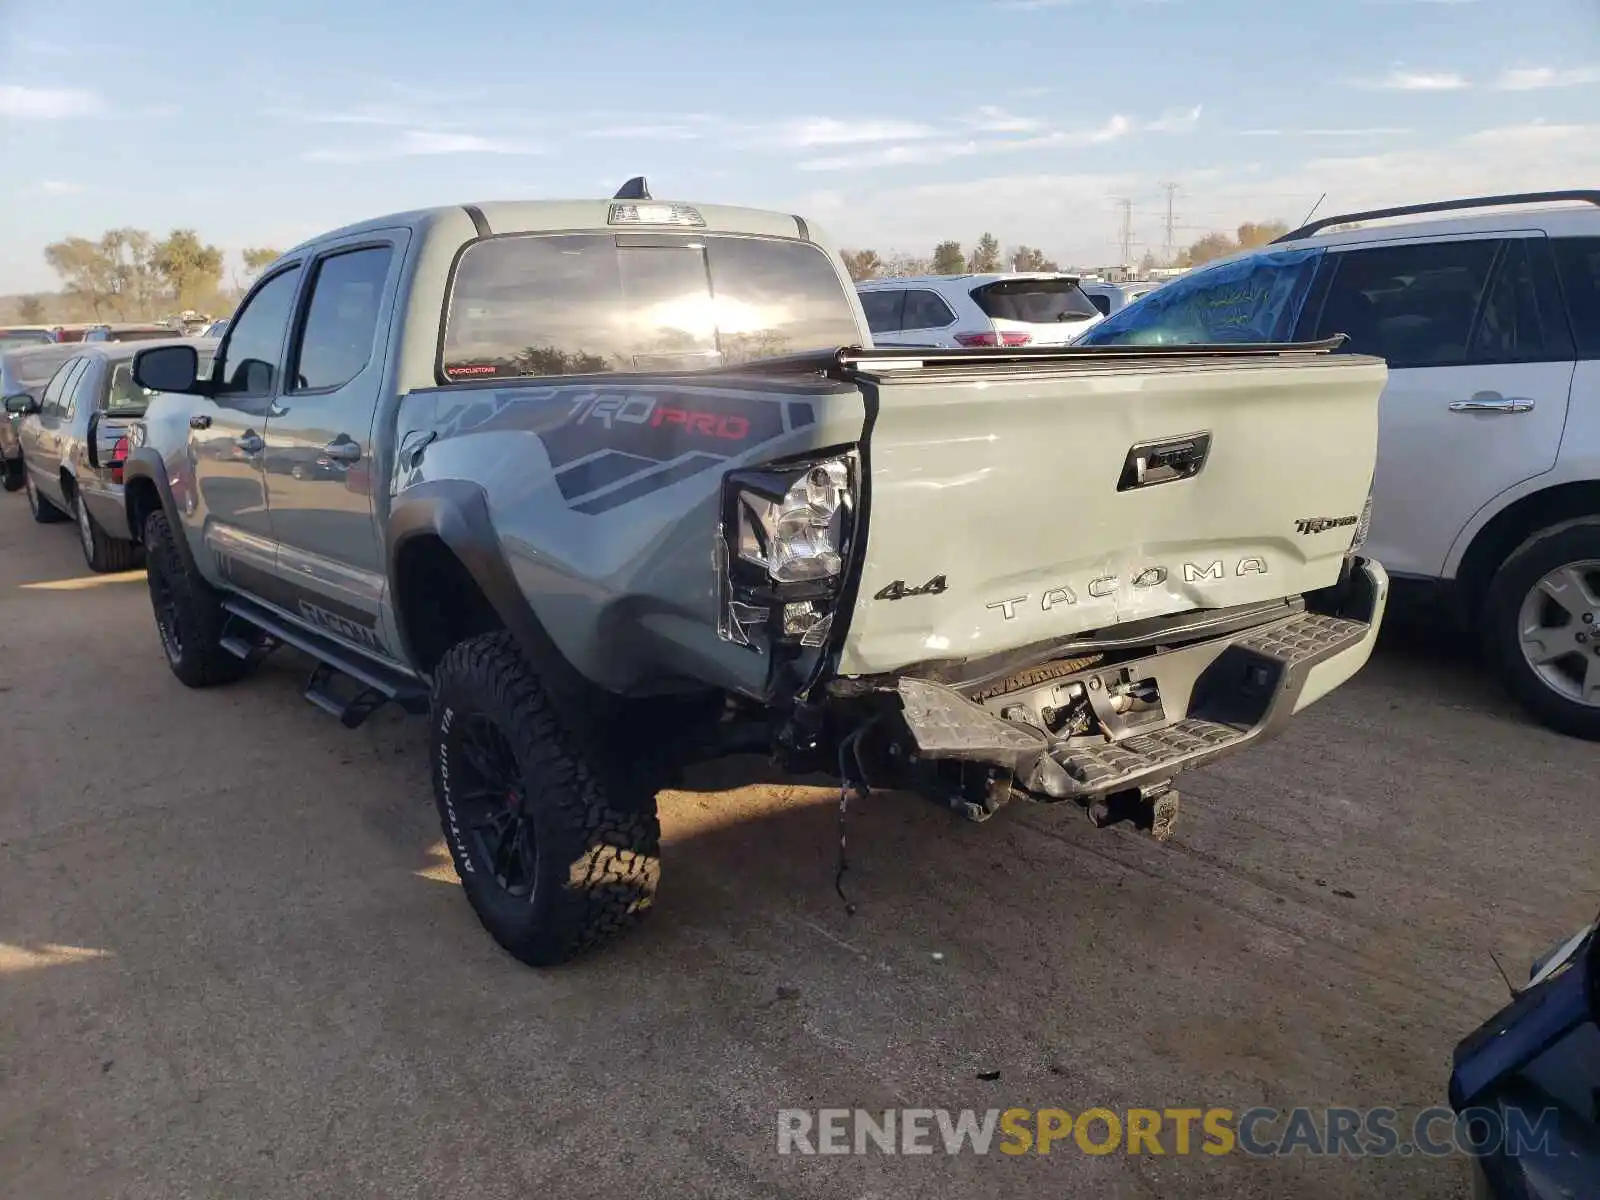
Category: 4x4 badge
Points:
column 899, row 591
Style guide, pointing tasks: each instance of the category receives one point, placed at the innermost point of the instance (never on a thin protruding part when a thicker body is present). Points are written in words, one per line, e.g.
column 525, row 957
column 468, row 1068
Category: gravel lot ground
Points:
column 234, row 961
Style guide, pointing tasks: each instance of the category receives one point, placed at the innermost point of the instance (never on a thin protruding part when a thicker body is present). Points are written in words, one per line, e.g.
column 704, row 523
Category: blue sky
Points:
column 892, row 124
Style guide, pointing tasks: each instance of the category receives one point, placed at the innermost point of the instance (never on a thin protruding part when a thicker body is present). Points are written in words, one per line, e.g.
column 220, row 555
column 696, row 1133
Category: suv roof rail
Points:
column 1406, row 210
column 635, row 189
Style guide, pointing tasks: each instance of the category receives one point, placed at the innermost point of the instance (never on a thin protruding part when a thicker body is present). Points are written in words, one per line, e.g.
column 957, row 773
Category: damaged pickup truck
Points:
column 594, row 485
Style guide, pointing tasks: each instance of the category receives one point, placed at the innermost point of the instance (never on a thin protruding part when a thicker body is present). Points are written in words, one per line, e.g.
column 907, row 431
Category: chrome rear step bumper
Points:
column 1210, row 698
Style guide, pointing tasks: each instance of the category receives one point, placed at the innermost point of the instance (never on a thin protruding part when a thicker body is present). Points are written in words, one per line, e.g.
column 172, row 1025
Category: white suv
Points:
column 1487, row 492
column 1017, row 309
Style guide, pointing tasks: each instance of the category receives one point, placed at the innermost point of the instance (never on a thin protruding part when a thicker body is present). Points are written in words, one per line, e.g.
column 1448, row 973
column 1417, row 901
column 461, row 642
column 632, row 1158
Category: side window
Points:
column 883, row 307
column 926, row 310
column 1521, row 319
column 249, row 361
column 55, row 391
column 78, row 394
column 1102, row 302
column 341, row 319
column 1254, row 299
column 1412, row 305
column 1578, row 262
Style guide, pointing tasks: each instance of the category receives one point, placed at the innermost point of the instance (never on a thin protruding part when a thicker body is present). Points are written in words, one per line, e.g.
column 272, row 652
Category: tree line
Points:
column 131, row 275
column 948, row 258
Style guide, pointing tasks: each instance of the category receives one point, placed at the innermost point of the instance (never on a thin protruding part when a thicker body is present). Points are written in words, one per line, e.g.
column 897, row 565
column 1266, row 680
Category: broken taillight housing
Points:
column 781, row 550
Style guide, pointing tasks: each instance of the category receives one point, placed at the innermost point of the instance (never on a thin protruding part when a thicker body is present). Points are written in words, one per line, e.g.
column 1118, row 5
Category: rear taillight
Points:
column 119, row 455
column 1009, row 338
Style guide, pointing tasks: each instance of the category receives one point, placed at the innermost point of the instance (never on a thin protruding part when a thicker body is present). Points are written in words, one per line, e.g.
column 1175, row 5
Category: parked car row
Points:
column 1486, row 500
column 65, row 438
column 127, row 331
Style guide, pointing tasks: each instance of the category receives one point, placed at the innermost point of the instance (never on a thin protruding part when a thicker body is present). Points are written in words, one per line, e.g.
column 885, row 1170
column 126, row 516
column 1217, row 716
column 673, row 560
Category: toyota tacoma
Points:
column 603, row 487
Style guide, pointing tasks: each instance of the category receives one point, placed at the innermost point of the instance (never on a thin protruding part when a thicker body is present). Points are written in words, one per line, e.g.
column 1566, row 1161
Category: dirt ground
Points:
column 234, row 961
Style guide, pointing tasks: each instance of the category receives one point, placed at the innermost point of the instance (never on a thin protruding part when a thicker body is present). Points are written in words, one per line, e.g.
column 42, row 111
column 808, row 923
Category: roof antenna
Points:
column 635, row 189
column 1306, row 220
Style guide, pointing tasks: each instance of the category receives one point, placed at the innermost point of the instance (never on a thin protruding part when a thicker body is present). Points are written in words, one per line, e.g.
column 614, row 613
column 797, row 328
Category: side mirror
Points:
column 168, row 369
column 21, row 404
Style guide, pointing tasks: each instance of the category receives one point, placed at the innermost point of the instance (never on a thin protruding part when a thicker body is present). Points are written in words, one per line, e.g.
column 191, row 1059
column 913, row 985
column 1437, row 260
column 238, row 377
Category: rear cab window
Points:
column 591, row 303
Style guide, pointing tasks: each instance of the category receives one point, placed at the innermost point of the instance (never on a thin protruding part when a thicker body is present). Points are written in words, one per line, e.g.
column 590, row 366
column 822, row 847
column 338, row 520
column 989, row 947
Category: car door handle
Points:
column 1493, row 402
column 343, row 452
column 250, row 443
column 200, row 421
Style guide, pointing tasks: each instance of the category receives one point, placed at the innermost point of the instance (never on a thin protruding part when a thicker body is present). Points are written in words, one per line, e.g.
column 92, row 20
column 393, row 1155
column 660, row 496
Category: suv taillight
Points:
column 1009, row 338
column 119, row 455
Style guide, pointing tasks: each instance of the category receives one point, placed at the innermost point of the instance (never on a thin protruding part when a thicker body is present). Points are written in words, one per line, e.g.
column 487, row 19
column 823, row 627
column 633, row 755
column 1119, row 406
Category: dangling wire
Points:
column 849, row 783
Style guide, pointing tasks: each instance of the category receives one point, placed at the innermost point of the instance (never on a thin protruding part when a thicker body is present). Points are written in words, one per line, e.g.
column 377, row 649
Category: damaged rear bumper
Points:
column 1158, row 715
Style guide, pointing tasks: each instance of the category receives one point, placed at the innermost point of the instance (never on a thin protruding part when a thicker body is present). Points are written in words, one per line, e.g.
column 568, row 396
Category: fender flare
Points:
column 457, row 513
column 145, row 463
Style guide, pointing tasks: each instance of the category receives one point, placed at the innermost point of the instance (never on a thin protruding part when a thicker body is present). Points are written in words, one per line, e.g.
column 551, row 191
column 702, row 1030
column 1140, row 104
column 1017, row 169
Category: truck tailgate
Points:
column 1016, row 502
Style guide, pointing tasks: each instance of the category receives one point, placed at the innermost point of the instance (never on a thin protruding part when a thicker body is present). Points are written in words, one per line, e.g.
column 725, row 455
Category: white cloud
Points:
column 1371, row 131
column 992, row 119
column 424, row 142
column 1400, row 80
column 829, row 131
column 59, row 187
column 947, row 147
column 1175, row 120
column 47, row 104
column 1527, row 79
column 646, row 132
column 1071, row 218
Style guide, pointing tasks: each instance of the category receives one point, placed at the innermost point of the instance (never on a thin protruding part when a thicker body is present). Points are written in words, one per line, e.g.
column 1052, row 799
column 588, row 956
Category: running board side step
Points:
column 376, row 684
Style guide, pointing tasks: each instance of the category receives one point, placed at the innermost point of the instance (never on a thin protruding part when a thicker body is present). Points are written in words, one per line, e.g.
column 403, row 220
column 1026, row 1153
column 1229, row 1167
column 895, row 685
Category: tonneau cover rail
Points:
column 850, row 359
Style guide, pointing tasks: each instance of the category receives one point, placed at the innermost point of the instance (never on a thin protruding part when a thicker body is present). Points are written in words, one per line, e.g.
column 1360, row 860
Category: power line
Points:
column 1125, row 238
column 1171, row 245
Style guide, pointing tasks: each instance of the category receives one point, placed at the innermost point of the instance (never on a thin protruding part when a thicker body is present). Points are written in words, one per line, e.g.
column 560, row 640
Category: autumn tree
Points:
column 948, row 259
column 1029, row 258
column 86, row 272
column 862, row 264
column 190, row 269
column 899, row 266
column 985, row 256
column 258, row 258
column 1253, row 234
column 1204, row 250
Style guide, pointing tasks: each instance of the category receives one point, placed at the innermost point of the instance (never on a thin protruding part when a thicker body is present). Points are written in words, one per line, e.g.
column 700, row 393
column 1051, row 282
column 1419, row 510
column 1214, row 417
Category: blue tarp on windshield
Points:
column 1255, row 299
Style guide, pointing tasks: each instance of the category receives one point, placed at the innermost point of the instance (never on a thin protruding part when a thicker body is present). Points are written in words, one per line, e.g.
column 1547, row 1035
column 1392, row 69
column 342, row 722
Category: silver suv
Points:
column 1016, row 309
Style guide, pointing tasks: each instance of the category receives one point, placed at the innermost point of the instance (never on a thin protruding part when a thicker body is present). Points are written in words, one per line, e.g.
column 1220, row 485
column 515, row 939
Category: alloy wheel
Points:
column 1558, row 627
column 492, row 797
column 85, row 529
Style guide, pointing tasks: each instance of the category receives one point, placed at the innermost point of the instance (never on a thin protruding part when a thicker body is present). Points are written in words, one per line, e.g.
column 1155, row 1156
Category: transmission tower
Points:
column 1171, row 245
column 1125, row 235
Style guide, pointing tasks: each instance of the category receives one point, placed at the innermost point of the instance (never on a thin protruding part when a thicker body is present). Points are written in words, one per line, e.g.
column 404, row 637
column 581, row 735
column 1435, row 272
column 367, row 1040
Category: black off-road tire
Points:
column 11, row 477
column 596, row 851
column 1500, row 624
column 43, row 511
column 188, row 611
column 101, row 551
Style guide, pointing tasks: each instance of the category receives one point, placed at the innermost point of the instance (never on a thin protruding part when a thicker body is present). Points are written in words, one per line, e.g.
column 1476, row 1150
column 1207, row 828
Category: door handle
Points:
column 200, row 421
column 343, row 452
column 250, row 443
column 1493, row 402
